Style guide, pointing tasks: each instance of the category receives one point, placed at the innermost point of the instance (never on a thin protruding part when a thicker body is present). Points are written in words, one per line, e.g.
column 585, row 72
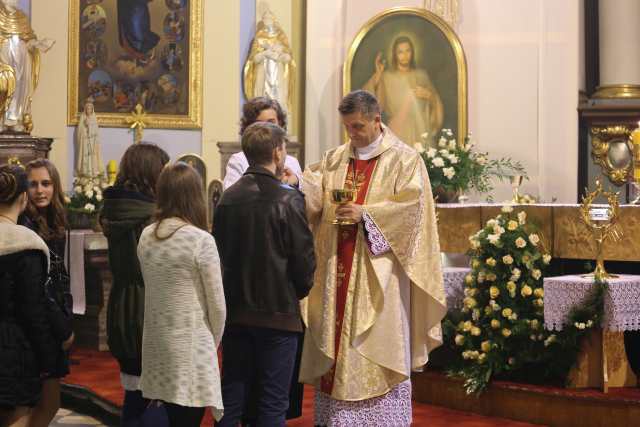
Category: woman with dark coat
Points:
column 128, row 208
column 28, row 348
column 45, row 214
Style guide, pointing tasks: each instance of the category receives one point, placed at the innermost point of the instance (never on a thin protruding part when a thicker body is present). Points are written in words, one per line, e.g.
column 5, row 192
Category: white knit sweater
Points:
column 184, row 316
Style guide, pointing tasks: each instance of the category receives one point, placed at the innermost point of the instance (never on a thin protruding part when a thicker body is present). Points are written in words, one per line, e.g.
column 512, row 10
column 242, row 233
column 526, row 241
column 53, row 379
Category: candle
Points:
column 112, row 170
column 635, row 139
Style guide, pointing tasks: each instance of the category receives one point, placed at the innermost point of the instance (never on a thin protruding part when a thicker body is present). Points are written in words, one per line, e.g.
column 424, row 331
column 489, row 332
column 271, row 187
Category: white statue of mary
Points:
column 89, row 161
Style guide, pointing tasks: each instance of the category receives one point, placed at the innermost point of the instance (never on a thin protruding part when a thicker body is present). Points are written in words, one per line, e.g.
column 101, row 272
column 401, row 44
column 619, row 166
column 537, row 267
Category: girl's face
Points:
column 40, row 187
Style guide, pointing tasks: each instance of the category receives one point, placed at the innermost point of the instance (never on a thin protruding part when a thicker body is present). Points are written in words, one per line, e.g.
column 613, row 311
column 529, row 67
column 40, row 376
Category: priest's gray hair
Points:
column 359, row 101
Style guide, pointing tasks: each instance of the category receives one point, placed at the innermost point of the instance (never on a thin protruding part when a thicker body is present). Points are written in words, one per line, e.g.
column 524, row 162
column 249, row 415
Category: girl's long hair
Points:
column 140, row 167
column 180, row 195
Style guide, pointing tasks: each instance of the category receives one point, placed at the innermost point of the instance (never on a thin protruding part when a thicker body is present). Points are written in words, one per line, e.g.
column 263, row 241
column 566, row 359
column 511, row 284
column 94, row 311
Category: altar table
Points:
column 602, row 362
column 560, row 224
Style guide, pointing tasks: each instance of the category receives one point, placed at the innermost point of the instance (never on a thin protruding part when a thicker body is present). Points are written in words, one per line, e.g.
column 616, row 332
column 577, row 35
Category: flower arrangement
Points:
column 87, row 194
column 499, row 331
column 455, row 168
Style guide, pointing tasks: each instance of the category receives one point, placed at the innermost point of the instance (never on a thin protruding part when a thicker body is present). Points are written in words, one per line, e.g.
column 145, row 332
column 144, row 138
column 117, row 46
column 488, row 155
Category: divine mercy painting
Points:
column 414, row 63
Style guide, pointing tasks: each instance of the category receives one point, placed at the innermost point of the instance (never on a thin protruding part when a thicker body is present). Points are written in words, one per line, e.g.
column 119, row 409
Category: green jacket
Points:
column 123, row 217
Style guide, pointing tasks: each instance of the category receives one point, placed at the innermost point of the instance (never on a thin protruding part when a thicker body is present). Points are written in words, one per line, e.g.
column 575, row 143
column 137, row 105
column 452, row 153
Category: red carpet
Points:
column 98, row 372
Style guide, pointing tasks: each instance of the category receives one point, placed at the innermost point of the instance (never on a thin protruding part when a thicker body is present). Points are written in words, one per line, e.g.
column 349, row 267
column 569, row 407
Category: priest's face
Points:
column 362, row 130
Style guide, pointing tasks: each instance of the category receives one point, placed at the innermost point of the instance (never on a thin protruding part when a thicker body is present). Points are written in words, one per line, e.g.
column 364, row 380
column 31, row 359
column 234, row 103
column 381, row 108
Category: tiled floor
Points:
column 98, row 372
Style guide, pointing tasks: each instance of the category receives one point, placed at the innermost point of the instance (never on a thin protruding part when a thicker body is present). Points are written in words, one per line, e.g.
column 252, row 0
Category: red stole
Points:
column 361, row 170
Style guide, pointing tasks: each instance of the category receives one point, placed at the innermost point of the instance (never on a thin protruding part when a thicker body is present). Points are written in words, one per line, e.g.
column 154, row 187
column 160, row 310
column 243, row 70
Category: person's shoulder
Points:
column 291, row 195
column 238, row 157
column 148, row 230
column 401, row 153
column 199, row 237
column 334, row 155
column 292, row 160
column 239, row 191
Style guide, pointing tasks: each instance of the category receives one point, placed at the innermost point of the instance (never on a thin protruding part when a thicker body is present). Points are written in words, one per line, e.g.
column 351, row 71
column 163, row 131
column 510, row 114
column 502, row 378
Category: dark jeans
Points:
column 270, row 355
column 132, row 409
column 183, row 416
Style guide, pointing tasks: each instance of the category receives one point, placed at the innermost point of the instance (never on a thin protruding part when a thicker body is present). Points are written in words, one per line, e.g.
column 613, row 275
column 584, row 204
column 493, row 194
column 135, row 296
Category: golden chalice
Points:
column 341, row 197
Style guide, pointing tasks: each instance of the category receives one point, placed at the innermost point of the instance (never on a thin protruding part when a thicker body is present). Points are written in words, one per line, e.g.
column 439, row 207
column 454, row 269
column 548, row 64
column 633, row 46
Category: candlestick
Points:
column 635, row 140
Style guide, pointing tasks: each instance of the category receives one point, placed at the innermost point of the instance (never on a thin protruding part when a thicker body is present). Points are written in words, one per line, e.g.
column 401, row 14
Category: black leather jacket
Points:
column 266, row 251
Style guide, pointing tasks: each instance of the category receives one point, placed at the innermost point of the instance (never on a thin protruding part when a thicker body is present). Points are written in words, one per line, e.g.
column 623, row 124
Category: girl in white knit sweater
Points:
column 184, row 312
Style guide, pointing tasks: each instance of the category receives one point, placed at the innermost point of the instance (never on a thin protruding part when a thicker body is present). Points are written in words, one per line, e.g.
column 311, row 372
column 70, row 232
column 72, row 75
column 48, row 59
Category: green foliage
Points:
column 500, row 330
column 454, row 167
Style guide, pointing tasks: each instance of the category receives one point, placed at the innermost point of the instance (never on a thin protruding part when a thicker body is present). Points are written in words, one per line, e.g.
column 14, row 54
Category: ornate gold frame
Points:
column 601, row 138
column 192, row 120
column 448, row 32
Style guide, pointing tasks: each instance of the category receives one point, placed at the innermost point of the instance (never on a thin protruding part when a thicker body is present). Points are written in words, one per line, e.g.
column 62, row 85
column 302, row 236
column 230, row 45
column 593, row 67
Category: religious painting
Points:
column 196, row 162
column 128, row 52
column 413, row 62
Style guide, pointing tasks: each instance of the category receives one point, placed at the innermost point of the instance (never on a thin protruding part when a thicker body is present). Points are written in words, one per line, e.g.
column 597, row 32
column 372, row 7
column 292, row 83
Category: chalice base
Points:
column 604, row 276
column 342, row 222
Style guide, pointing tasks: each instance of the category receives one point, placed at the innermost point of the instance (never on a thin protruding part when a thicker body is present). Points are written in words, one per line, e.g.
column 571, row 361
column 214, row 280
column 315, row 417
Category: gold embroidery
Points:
column 360, row 179
column 373, row 351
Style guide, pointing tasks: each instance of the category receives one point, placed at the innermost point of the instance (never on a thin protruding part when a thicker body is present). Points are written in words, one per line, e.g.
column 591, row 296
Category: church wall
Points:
column 523, row 77
column 523, row 73
column 49, row 107
column 221, row 85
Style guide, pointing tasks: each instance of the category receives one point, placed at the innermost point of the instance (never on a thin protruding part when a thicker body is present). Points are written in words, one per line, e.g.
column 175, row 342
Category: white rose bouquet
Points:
column 454, row 168
column 86, row 196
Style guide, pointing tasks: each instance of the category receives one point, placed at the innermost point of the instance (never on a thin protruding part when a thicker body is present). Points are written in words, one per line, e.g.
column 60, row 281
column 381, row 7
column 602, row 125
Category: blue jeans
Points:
column 270, row 355
column 132, row 409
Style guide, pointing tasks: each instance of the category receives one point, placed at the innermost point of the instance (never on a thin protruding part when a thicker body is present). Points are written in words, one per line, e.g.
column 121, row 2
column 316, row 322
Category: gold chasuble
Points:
column 376, row 350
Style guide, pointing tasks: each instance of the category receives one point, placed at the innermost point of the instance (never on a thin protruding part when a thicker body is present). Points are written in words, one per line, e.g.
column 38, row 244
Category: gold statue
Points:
column 7, row 87
column 138, row 121
column 270, row 68
column 20, row 49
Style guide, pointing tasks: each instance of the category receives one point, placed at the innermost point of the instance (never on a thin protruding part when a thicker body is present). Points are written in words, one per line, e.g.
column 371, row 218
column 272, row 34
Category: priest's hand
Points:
column 349, row 211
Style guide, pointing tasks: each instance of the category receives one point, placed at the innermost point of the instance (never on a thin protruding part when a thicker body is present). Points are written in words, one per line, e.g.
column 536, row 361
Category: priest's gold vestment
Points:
column 372, row 358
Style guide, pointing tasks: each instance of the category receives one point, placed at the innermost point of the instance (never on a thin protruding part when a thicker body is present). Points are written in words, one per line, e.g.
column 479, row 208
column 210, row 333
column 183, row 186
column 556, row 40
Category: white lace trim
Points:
column 377, row 243
column 621, row 302
column 454, row 285
column 390, row 410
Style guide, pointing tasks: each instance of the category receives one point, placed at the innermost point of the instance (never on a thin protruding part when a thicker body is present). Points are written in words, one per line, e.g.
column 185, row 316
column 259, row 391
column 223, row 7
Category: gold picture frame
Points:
column 431, row 37
column 612, row 150
column 179, row 87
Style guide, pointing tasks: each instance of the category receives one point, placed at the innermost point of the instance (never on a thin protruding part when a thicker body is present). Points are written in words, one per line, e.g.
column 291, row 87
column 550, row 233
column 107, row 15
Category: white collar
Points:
column 366, row 153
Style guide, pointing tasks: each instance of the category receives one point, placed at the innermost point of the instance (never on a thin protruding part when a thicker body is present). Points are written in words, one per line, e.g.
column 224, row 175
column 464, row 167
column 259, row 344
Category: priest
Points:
column 374, row 312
